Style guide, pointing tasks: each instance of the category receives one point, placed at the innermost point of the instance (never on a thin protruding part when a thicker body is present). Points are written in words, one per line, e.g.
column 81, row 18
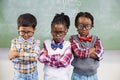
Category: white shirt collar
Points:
column 21, row 39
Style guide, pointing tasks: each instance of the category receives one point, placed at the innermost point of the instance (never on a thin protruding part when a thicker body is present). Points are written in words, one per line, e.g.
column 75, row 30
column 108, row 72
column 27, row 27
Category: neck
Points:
column 82, row 35
column 57, row 42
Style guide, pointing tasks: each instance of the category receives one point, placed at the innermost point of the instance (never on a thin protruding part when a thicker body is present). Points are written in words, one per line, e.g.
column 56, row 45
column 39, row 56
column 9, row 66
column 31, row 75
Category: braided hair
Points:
column 61, row 19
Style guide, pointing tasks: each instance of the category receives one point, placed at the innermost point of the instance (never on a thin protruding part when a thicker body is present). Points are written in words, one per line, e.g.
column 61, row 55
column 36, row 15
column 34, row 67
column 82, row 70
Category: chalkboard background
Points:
column 105, row 12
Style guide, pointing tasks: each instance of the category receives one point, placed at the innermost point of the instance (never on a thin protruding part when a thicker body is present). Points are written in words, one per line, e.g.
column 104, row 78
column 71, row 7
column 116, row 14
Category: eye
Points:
column 80, row 26
column 61, row 33
column 86, row 26
column 29, row 33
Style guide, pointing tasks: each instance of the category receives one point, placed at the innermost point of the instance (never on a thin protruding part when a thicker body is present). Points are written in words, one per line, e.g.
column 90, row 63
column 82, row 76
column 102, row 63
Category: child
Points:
column 24, row 49
column 87, row 49
column 56, row 53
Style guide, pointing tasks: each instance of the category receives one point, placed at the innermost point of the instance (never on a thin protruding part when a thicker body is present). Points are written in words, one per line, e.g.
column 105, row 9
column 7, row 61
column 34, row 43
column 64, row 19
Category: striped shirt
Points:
column 26, row 62
column 55, row 57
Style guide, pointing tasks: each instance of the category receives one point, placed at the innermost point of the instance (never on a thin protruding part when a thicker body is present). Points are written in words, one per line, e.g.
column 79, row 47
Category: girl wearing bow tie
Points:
column 87, row 49
column 56, row 53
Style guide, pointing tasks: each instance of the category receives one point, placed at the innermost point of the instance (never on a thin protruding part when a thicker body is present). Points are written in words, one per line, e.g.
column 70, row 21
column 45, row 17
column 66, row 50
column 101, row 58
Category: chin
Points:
column 26, row 38
column 57, row 40
column 83, row 34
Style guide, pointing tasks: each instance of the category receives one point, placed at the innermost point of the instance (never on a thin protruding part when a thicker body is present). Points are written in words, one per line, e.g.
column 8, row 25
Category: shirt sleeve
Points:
column 64, row 59
column 56, row 60
column 44, row 58
column 77, row 50
column 14, row 48
column 32, row 55
column 99, row 49
column 16, row 60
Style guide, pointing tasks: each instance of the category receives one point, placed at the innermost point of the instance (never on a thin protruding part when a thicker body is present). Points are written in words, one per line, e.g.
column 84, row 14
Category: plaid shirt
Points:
column 84, row 52
column 56, row 60
column 26, row 62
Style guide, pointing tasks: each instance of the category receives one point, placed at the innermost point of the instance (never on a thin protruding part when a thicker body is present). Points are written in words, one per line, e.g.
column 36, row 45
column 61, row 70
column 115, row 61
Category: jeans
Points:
column 29, row 76
column 76, row 76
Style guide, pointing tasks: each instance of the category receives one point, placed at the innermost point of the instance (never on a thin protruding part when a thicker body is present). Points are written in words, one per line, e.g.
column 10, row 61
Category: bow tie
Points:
column 54, row 46
column 84, row 39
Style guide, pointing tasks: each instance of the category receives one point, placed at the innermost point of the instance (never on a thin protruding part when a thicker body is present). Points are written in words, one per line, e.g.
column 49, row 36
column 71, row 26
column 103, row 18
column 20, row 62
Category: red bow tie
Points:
column 84, row 39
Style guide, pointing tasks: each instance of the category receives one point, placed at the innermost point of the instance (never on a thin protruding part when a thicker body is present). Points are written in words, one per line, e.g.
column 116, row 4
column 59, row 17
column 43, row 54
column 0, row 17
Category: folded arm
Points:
column 55, row 60
column 23, row 56
column 95, row 52
column 78, row 51
column 98, row 49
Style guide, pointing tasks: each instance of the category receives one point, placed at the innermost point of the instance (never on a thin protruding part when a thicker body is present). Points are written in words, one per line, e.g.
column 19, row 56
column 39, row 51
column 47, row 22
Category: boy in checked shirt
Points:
column 24, row 49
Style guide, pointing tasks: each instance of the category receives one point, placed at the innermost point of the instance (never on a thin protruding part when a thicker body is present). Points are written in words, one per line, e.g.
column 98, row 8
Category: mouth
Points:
column 57, row 40
column 83, row 32
column 25, row 38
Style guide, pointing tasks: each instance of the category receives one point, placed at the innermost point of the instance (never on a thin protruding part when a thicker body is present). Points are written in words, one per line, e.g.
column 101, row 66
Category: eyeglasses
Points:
column 29, row 33
column 60, row 33
column 81, row 26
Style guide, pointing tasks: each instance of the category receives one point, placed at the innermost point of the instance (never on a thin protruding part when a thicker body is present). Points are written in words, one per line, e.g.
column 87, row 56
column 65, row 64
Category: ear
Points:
column 77, row 30
column 34, row 29
column 17, row 28
column 51, row 31
column 66, row 31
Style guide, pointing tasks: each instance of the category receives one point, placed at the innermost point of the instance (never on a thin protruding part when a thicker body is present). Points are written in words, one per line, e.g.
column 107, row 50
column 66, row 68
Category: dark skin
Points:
column 58, row 32
column 84, row 32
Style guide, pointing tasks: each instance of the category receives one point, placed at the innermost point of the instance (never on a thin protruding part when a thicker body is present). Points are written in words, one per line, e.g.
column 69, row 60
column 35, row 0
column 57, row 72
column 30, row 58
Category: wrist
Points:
column 20, row 54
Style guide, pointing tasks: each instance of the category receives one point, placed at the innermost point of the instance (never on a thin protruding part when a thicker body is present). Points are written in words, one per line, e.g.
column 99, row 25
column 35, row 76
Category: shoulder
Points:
column 67, row 42
column 47, row 44
column 47, row 41
column 72, row 36
column 15, row 40
column 35, row 40
column 95, row 37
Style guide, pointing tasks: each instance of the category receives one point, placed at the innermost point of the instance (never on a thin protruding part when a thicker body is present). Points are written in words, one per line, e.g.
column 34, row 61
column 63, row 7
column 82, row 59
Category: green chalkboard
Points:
column 106, row 14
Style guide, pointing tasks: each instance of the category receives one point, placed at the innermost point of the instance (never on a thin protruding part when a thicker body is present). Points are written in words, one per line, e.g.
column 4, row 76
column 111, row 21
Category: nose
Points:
column 84, row 28
column 26, row 34
column 57, row 35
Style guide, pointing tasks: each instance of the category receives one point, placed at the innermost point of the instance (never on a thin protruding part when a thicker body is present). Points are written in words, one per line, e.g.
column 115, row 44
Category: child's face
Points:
column 84, row 26
column 26, row 32
column 58, row 32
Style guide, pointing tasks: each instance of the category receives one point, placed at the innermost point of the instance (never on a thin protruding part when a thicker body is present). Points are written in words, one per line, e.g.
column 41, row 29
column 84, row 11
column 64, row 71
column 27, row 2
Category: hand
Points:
column 92, row 53
column 12, row 54
column 45, row 52
column 21, row 53
column 32, row 59
column 92, row 50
